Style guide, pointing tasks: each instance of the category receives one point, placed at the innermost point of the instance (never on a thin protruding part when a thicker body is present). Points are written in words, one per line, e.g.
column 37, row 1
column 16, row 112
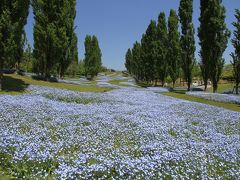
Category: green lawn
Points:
column 182, row 95
column 117, row 82
column 222, row 88
column 15, row 84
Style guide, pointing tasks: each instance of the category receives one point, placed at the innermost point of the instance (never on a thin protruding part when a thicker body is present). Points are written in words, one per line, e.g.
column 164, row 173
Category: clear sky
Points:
column 119, row 23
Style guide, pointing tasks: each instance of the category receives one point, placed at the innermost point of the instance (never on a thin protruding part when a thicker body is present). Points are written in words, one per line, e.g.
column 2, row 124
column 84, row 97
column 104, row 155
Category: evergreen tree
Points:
column 97, row 55
column 128, row 60
column 66, row 35
column 162, row 64
column 213, row 35
column 55, row 42
column 187, row 40
column 136, row 64
column 13, row 16
column 92, row 61
column 236, row 54
column 203, row 35
column 45, row 36
column 149, row 51
column 174, row 50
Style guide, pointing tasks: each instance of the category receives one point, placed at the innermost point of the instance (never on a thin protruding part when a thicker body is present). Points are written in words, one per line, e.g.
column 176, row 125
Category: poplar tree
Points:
column 162, row 64
column 149, row 51
column 203, row 34
column 92, row 61
column 219, row 40
column 13, row 17
column 236, row 55
column 187, row 40
column 174, row 50
column 137, row 68
column 213, row 35
column 55, row 42
column 128, row 60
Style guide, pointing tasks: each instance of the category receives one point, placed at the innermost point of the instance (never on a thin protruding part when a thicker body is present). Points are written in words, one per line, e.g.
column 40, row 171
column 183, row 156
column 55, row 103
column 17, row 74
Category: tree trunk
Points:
column 1, row 74
column 215, row 87
column 1, row 79
column 189, row 85
column 237, row 84
column 205, row 85
column 163, row 83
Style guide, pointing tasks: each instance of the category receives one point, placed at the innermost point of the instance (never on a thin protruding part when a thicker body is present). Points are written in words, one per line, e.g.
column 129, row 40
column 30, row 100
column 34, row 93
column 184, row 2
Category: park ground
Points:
column 111, row 127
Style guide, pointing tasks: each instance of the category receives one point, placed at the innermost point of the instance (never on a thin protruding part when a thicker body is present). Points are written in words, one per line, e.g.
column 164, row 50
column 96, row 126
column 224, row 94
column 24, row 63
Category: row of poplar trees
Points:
column 55, row 42
column 13, row 17
column 163, row 50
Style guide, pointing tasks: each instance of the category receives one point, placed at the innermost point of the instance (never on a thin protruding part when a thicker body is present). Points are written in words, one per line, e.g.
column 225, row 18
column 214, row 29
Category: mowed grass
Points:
column 118, row 82
column 15, row 85
column 181, row 95
column 223, row 87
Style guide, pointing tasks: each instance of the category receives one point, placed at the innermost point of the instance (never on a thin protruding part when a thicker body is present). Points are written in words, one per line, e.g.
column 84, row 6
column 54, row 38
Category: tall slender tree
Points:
column 149, row 50
column 137, row 61
column 92, row 61
column 128, row 60
column 187, row 40
column 13, row 17
column 174, row 49
column 162, row 36
column 213, row 35
column 236, row 54
column 204, row 41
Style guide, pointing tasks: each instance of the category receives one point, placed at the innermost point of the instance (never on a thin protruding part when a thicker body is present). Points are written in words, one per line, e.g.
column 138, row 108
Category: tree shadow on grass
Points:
column 180, row 91
column 11, row 84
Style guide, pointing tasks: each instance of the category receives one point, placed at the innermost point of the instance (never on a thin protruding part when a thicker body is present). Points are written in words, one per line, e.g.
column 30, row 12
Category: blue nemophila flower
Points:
column 125, row 133
column 217, row 97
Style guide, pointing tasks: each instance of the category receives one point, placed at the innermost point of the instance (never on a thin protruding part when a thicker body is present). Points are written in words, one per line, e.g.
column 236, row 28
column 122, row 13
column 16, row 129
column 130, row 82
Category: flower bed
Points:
column 128, row 133
column 216, row 97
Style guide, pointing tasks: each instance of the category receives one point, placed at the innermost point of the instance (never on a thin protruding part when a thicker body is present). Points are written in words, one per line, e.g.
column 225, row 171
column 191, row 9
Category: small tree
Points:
column 174, row 49
column 236, row 54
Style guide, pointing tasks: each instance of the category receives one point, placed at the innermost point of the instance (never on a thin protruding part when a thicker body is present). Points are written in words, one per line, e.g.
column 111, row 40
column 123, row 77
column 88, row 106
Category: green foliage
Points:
column 162, row 38
column 55, row 42
column 73, row 69
column 236, row 54
column 227, row 72
column 174, row 49
column 137, row 62
column 213, row 35
column 149, row 51
column 27, row 60
column 128, row 59
column 149, row 60
column 92, row 61
column 196, row 71
column 13, row 17
column 204, row 41
column 187, row 39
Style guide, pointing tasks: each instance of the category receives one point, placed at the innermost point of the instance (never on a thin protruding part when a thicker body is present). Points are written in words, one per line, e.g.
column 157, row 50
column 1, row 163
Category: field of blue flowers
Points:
column 127, row 133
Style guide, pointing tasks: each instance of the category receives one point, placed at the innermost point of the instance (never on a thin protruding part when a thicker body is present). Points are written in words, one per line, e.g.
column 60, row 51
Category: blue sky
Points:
column 119, row 23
